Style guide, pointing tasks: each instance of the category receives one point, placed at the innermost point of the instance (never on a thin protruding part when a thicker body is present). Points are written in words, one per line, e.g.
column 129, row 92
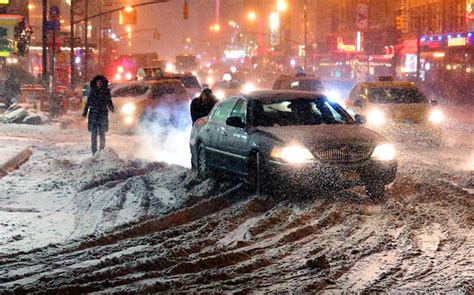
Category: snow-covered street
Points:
column 120, row 222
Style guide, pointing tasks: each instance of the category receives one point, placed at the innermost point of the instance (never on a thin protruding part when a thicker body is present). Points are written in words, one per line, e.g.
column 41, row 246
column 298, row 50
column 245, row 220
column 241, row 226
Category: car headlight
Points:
column 375, row 117
column 248, row 87
column 128, row 108
column 436, row 117
column 293, row 154
column 384, row 152
column 220, row 94
column 128, row 120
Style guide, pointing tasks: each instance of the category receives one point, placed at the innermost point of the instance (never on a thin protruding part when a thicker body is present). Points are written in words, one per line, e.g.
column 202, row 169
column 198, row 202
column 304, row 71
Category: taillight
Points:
column 201, row 121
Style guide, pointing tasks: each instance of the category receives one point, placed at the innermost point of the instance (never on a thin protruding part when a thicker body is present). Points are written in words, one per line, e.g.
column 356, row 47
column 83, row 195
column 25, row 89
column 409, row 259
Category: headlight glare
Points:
column 220, row 94
column 128, row 120
column 375, row 117
column 293, row 154
column 128, row 108
column 384, row 152
column 248, row 87
column 436, row 117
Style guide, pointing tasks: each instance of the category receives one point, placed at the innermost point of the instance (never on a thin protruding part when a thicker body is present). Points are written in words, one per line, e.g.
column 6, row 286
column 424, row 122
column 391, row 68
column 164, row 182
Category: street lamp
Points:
column 215, row 28
column 274, row 21
column 251, row 16
column 282, row 5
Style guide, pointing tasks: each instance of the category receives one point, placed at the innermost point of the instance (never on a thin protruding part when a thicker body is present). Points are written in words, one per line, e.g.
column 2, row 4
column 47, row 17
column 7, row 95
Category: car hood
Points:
column 324, row 135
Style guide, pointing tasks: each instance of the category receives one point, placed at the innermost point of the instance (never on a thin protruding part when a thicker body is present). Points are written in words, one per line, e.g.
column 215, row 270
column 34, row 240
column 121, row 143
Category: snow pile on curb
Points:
column 24, row 114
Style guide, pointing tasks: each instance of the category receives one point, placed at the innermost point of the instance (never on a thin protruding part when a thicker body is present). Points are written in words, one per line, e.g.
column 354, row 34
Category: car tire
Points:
column 202, row 167
column 257, row 173
column 375, row 190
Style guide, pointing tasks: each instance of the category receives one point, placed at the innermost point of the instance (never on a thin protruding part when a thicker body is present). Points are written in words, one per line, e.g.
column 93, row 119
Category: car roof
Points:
column 297, row 78
column 148, row 83
column 387, row 84
column 271, row 95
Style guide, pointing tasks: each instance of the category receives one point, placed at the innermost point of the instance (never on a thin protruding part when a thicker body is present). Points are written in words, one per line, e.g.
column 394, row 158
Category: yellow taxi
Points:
column 385, row 103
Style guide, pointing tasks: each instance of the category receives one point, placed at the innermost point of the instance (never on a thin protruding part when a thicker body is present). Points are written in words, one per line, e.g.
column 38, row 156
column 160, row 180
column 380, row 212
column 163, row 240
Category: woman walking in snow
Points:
column 99, row 102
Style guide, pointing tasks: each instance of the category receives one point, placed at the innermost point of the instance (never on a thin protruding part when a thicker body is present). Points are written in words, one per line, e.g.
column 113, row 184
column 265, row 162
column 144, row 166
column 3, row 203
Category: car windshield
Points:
column 190, row 82
column 395, row 95
column 299, row 112
column 306, row 85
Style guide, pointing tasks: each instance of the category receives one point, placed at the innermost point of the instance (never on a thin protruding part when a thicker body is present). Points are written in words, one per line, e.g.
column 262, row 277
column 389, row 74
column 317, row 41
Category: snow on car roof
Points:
column 282, row 94
column 390, row 84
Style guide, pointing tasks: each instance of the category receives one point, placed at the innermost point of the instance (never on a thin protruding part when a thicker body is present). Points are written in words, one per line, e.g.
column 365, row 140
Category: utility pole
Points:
column 418, row 48
column 100, row 39
column 86, row 43
column 366, row 41
column 44, row 57
column 72, row 45
column 305, row 17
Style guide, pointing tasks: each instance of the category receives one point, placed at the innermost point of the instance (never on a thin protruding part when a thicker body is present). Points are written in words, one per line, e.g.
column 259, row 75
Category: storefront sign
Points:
column 345, row 47
column 457, row 41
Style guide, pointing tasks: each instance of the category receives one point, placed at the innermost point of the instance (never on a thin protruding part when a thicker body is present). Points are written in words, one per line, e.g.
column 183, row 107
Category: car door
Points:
column 214, row 131
column 234, row 140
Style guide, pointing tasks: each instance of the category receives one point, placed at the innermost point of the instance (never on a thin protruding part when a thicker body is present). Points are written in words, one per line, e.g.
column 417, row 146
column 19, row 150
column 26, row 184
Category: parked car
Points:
column 136, row 102
column 271, row 137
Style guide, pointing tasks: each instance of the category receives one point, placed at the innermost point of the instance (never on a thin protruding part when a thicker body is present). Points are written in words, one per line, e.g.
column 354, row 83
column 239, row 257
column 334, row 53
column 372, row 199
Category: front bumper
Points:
column 334, row 176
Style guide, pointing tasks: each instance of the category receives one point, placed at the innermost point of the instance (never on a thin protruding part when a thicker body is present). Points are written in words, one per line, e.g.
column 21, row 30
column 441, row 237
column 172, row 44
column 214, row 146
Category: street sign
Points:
column 362, row 16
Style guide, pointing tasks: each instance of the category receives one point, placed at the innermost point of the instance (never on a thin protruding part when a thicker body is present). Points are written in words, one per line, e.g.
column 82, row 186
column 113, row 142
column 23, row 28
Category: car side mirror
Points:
column 434, row 102
column 235, row 122
column 360, row 119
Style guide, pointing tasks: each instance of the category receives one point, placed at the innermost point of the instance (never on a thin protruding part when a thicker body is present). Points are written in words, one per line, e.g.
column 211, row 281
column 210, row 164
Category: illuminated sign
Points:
column 5, row 2
column 457, row 41
column 344, row 47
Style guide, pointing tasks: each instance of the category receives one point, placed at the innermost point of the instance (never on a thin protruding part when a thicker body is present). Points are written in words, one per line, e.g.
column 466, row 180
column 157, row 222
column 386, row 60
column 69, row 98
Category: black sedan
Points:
column 274, row 137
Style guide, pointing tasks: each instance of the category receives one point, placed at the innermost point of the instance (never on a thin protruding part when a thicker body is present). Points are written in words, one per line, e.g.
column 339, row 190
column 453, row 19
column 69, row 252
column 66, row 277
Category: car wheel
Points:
column 375, row 190
column 202, row 167
column 257, row 173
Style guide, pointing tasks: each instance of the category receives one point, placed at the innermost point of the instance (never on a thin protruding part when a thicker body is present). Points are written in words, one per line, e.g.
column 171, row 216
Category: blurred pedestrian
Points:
column 202, row 105
column 98, row 104
column 12, row 90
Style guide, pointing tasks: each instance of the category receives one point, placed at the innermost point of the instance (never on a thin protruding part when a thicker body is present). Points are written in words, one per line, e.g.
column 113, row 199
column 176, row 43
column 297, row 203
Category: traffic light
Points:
column 185, row 10
column 128, row 16
column 399, row 23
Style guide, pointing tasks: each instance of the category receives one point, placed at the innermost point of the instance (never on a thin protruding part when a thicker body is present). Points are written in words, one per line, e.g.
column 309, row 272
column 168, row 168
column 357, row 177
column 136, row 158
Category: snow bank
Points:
column 24, row 114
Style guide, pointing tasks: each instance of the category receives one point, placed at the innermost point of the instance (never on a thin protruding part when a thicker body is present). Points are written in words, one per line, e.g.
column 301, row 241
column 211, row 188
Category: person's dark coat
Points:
column 98, row 104
column 201, row 106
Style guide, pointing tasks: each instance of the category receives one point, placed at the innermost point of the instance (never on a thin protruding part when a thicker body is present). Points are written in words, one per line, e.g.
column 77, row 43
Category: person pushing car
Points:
column 203, row 104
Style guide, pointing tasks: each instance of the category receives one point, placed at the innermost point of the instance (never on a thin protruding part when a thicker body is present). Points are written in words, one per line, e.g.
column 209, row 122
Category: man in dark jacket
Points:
column 202, row 105
column 98, row 104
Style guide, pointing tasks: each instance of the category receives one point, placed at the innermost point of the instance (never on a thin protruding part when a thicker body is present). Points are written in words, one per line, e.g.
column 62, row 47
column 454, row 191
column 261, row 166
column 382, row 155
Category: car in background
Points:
column 385, row 103
column 291, row 137
column 139, row 101
column 222, row 89
column 190, row 82
column 338, row 89
column 299, row 82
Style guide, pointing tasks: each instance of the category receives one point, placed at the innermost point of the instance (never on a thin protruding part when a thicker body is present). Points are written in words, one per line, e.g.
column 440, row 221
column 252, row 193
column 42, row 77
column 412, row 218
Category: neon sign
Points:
column 344, row 47
column 460, row 41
